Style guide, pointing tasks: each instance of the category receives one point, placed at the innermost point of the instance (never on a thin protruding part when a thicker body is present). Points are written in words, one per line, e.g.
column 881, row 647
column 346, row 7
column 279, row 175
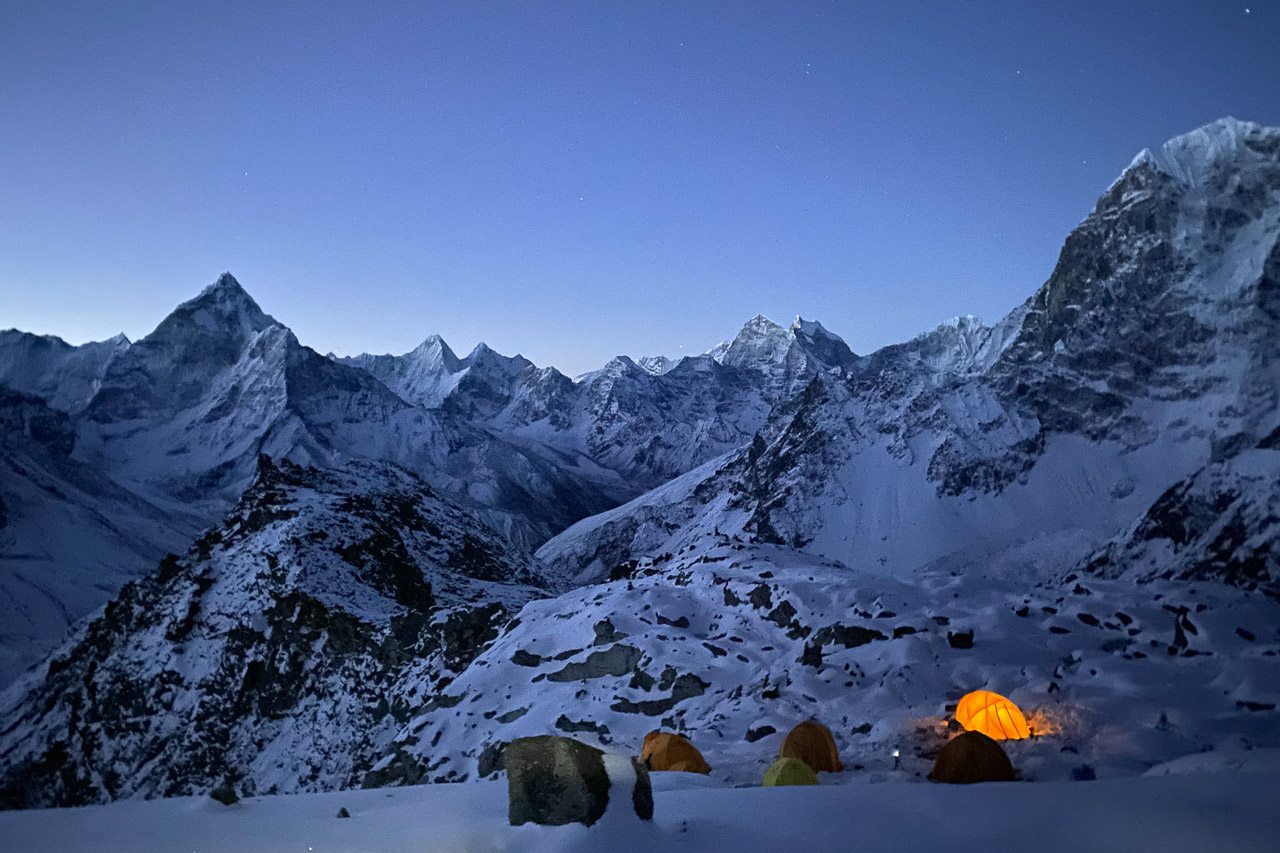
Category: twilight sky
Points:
column 573, row 180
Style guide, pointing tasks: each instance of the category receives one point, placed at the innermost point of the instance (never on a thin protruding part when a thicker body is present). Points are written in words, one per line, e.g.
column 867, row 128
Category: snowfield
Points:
column 1238, row 812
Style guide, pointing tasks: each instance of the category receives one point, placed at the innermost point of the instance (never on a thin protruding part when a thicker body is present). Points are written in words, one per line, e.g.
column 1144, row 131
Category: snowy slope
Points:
column 285, row 648
column 1197, row 812
column 734, row 644
column 1222, row 523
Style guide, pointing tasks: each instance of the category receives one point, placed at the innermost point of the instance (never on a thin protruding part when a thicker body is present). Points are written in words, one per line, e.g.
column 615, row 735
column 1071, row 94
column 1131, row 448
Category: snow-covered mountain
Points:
column 283, row 649
column 774, row 529
column 1155, row 343
column 648, row 421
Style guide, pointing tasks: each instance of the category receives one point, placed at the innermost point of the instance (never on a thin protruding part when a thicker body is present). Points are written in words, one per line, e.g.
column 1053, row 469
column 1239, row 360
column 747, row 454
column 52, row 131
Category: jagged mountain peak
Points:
column 224, row 309
column 825, row 345
column 1191, row 157
column 435, row 352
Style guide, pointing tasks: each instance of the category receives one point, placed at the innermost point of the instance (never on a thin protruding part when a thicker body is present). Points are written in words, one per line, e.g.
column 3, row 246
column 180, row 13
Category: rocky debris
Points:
column 491, row 759
column 684, row 687
column 342, row 812
column 553, row 781
column 960, row 639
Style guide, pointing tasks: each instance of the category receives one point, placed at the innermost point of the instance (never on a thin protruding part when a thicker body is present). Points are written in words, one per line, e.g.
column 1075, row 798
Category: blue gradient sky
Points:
column 572, row 180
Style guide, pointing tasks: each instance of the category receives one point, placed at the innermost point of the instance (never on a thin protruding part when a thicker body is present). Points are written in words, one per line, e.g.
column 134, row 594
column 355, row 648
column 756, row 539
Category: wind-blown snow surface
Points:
column 1239, row 812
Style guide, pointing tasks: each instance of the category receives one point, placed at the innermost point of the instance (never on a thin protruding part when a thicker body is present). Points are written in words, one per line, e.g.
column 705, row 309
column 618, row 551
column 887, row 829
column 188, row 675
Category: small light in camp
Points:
column 895, row 753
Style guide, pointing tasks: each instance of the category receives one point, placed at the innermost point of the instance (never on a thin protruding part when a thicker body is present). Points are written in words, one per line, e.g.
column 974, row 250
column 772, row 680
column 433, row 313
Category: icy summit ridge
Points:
column 1191, row 157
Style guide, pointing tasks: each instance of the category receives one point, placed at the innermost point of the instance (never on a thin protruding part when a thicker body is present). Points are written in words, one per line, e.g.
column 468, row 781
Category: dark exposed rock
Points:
column 681, row 622
column 553, row 781
column 642, row 793
column 683, row 687
column 849, row 636
column 564, row 724
column 490, row 759
column 617, row 660
column 960, row 639
column 759, row 732
column 225, row 793
column 606, row 633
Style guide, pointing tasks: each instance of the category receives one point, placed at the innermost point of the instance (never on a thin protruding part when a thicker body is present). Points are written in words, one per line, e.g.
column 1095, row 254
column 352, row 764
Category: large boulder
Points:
column 553, row 781
column 972, row 757
column 813, row 744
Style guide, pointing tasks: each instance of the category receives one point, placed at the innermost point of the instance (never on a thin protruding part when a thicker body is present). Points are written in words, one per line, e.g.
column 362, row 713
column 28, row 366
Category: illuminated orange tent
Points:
column 993, row 715
column 666, row 751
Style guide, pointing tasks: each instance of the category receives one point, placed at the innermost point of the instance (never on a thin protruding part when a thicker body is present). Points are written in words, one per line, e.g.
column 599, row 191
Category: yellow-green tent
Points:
column 789, row 771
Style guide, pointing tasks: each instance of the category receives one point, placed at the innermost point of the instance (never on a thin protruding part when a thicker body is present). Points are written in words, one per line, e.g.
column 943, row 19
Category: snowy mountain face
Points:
column 69, row 536
column 1221, row 524
column 1152, row 347
column 734, row 644
column 647, row 421
column 283, row 649
column 66, row 377
column 183, row 414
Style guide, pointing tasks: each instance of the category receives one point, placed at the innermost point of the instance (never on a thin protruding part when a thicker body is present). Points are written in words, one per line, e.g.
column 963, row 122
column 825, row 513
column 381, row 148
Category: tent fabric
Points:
column 813, row 744
column 993, row 715
column 672, row 752
column 972, row 757
column 789, row 771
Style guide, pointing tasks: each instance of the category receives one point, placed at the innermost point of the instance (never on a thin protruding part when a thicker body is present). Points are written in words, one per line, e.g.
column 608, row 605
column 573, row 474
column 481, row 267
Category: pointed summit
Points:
column 760, row 342
column 435, row 355
column 825, row 346
column 223, row 310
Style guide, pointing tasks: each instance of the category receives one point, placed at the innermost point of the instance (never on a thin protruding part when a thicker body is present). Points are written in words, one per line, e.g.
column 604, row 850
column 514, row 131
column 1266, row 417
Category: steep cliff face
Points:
column 283, row 650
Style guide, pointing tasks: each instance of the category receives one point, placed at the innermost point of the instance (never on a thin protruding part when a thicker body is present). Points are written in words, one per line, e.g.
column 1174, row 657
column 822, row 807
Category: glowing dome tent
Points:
column 992, row 715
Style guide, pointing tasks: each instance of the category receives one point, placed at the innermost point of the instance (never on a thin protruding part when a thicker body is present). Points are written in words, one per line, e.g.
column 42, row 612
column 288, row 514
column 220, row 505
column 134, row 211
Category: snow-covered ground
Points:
column 1226, row 811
